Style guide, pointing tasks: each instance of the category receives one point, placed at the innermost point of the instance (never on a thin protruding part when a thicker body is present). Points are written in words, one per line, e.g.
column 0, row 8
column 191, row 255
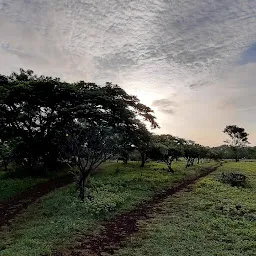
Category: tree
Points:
column 144, row 146
column 201, row 152
column 224, row 151
column 214, row 154
column 237, row 140
column 35, row 110
column 6, row 153
column 126, row 146
column 190, row 152
column 142, row 140
column 193, row 151
column 251, row 153
column 166, row 149
column 85, row 148
column 114, row 121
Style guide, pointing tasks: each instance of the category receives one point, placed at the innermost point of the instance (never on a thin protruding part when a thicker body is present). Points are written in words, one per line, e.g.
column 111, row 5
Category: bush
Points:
column 234, row 179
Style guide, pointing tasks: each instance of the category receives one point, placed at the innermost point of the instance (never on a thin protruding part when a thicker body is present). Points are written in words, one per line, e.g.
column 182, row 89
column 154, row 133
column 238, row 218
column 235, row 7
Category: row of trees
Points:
column 44, row 122
column 168, row 148
column 226, row 152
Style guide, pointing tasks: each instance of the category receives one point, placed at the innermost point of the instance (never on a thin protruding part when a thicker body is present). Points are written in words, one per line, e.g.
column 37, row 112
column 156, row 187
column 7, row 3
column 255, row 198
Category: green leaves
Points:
column 238, row 139
column 37, row 109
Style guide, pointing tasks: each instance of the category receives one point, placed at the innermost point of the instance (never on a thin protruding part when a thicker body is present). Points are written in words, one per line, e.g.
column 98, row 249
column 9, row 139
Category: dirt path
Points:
column 10, row 208
column 115, row 231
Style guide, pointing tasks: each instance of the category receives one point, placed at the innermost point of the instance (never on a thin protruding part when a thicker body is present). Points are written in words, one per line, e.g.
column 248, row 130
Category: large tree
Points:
column 89, row 142
column 87, row 146
column 144, row 144
column 36, row 109
column 33, row 110
column 193, row 151
column 166, row 148
column 138, row 138
column 238, row 139
column 190, row 152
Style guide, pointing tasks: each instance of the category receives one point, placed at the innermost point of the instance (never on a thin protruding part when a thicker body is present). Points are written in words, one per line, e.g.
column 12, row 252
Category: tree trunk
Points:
column 236, row 154
column 143, row 160
column 5, row 165
column 30, row 161
column 187, row 165
column 169, row 165
column 198, row 160
column 82, row 186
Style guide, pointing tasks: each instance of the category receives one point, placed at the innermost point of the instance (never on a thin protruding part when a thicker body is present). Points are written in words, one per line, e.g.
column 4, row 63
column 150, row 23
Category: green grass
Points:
column 13, row 183
column 10, row 187
column 204, row 221
column 59, row 217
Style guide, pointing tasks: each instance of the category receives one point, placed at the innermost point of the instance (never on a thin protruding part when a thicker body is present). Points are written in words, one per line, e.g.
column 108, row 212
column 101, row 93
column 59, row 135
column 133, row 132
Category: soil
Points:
column 116, row 231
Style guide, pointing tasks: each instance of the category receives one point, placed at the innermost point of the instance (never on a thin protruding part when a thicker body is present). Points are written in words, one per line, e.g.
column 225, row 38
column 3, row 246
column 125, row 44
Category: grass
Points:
column 13, row 183
column 204, row 221
column 59, row 217
column 10, row 187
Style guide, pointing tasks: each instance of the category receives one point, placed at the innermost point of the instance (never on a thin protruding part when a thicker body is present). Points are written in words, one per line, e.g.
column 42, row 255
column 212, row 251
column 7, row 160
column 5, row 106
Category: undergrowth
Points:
column 212, row 219
column 59, row 217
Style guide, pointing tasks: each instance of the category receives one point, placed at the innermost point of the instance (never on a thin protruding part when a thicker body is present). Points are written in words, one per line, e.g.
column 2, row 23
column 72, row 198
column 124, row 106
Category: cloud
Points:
column 198, row 84
column 165, row 105
column 248, row 56
column 154, row 46
column 240, row 90
column 186, row 41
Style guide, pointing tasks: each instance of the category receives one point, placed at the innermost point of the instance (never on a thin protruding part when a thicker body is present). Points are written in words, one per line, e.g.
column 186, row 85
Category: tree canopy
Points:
column 44, row 121
column 237, row 139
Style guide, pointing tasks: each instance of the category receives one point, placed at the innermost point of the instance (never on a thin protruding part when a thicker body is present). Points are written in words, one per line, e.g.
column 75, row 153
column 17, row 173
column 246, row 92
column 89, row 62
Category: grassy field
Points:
column 10, row 187
column 204, row 221
column 59, row 217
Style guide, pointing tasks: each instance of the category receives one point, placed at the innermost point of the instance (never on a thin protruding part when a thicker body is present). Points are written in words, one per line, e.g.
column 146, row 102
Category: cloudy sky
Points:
column 192, row 61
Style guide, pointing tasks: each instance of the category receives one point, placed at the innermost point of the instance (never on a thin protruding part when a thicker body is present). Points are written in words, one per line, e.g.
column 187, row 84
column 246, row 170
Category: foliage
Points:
column 250, row 153
column 166, row 148
column 37, row 112
column 234, row 179
column 6, row 153
column 37, row 109
column 143, row 143
column 238, row 139
column 87, row 147
column 190, row 152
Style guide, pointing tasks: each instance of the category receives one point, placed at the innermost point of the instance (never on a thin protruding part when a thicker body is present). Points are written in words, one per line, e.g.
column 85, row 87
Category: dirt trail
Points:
column 10, row 208
column 115, row 231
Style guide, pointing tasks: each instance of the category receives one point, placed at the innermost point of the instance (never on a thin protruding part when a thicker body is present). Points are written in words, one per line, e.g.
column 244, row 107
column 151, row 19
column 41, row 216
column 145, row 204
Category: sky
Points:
column 192, row 61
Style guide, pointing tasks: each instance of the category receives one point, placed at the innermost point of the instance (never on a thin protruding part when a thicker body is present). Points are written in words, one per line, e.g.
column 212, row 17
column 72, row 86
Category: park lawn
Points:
column 204, row 221
column 59, row 217
column 10, row 187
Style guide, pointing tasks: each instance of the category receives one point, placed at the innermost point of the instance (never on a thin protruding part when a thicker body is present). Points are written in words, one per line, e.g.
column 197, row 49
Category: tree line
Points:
column 45, row 122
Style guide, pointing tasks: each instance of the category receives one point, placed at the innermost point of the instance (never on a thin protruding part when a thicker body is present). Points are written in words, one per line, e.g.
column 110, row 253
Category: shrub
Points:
column 234, row 179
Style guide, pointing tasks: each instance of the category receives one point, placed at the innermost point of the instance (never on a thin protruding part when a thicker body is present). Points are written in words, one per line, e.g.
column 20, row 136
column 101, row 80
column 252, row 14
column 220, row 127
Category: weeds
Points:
column 235, row 179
